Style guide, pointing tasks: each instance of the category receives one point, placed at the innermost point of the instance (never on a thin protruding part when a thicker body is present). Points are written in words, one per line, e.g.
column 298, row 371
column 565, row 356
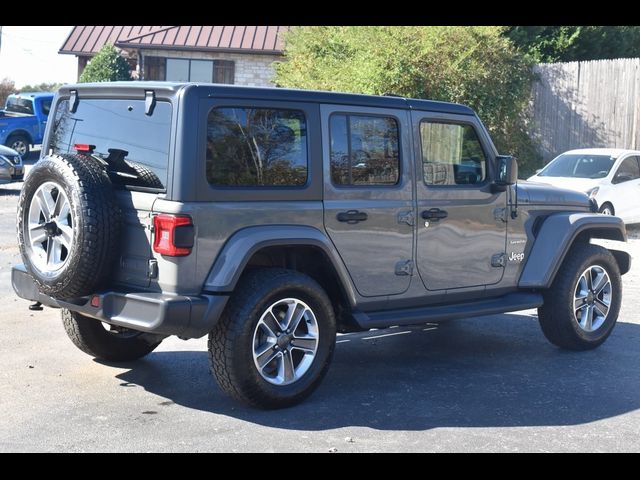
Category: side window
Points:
column 364, row 150
column 263, row 147
column 46, row 107
column 628, row 170
column 451, row 154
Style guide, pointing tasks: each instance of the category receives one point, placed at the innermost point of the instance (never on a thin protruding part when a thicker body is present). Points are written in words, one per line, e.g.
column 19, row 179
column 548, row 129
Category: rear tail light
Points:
column 84, row 148
column 173, row 235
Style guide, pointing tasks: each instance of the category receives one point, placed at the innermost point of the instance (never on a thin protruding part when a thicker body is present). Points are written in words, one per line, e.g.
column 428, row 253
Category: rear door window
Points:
column 364, row 150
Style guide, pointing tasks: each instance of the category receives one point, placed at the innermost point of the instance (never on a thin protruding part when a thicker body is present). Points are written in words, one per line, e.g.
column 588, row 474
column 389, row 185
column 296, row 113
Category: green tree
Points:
column 572, row 43
column 107, row 66
column 477, row 66
column 41, row 87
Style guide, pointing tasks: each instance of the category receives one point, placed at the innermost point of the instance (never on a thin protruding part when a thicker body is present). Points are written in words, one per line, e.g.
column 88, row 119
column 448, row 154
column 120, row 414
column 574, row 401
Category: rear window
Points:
column 20, row 105
column 122, row 125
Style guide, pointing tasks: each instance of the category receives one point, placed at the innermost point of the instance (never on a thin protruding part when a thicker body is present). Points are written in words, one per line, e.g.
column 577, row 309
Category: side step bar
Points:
column 511, row 302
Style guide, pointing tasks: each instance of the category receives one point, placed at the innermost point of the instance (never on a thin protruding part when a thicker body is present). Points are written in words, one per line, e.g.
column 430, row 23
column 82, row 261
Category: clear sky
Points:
column 30, row 55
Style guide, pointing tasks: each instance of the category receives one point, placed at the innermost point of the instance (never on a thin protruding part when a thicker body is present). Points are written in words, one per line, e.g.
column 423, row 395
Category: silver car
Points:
column 11, row 168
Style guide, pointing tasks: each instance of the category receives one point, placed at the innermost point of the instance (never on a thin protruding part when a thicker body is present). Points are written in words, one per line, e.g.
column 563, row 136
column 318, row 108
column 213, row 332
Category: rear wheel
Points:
column 275, row 340
column 581, row 307
column 107, row 342
column 20, row 144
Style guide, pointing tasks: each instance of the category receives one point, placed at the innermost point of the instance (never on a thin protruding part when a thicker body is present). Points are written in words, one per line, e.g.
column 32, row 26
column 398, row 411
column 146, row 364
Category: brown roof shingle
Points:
column 87, row 40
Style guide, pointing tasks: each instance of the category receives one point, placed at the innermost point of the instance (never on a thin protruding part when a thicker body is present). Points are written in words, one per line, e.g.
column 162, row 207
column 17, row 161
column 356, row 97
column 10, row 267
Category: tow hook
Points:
column 36, row 306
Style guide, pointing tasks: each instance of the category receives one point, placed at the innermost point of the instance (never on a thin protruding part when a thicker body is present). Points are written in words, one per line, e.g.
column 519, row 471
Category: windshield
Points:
column 579, row 166
column 122, row 125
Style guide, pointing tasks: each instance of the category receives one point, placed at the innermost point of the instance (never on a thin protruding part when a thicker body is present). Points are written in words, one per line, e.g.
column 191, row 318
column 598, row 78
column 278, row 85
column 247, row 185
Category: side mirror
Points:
column 538, row 170
column 507, row 170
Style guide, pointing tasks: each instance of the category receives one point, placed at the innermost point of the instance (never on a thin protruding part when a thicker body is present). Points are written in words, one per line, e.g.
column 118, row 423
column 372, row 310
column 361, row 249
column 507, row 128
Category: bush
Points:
column 107, row 66
column 477, row 66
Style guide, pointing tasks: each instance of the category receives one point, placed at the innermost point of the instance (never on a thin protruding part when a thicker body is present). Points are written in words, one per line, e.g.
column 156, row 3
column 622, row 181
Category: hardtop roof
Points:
column 271, row 93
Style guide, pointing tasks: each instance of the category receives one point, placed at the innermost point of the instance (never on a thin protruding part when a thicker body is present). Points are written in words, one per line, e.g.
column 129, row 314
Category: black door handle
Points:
column 434, row 214
column 352, row 216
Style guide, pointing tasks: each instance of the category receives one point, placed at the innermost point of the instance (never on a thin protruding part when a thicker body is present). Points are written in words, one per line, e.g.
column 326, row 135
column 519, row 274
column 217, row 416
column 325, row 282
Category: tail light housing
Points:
column 173, row 235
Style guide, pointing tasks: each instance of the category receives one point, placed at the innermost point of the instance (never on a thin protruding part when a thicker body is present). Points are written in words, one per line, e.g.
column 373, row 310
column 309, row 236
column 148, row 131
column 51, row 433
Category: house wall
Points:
column 82, row 63
column 250, row 69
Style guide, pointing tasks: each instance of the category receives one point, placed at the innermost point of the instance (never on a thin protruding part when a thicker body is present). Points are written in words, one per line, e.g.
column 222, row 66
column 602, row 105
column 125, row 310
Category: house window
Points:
column 177, row 70
column 223, row 71
column 185, row 70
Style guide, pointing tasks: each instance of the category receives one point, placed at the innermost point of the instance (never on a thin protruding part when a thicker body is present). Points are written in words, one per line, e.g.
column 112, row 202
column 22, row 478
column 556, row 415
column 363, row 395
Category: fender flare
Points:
column 555, row 238
column 19, row 131
column 236, row 253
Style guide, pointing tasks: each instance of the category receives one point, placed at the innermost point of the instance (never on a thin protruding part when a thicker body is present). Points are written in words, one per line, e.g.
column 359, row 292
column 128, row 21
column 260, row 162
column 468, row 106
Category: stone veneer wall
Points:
column 250, row 69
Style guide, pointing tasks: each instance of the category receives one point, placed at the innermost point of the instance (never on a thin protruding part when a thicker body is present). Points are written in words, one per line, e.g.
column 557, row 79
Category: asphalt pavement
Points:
column 482, row 384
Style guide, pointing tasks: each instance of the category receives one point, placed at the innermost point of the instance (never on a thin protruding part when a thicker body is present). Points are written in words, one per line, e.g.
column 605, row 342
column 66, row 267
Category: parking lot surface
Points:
column 482, row 384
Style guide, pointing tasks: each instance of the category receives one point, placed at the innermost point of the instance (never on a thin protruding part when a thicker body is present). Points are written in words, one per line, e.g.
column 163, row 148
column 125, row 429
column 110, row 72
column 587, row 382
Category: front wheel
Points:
column 274, row 342
column 20, row 144
column 606, row 209
column 581, row 307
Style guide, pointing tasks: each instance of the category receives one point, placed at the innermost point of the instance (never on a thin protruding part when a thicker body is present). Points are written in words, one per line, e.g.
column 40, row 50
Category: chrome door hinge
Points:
column 404, row 267
column 406, row 217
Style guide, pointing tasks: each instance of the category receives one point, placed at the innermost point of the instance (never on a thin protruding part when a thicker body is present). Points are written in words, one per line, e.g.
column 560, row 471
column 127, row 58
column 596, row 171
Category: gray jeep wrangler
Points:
column 271, row 219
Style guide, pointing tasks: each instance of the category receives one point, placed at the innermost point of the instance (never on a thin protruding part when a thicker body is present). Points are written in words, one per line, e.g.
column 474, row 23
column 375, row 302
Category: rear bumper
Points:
column 184, row 316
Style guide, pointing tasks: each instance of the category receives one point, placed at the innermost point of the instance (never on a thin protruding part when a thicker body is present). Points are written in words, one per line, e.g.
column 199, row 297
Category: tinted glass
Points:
column 201, row 71
column 628, row 170
column 451, row 154
column 46, row 106
column 364, row 150
column 117, row 124
column 20, row 105
column 256, row 147
column 177, row 70
column 579, row 166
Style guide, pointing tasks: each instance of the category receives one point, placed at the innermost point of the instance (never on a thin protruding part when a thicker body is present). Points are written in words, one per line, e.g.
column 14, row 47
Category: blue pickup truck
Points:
column 24, row 119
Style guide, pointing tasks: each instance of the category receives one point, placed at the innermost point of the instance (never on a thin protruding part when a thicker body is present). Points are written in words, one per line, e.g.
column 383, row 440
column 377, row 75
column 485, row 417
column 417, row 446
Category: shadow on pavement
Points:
column 9, row 192
column 486, row 372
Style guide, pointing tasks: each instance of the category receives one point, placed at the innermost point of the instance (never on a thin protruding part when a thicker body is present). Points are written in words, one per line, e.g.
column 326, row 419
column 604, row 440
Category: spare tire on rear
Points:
column 68, row 225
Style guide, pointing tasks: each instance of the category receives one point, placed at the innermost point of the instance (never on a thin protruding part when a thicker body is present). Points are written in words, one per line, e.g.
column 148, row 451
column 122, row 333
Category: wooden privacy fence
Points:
column 586, row 104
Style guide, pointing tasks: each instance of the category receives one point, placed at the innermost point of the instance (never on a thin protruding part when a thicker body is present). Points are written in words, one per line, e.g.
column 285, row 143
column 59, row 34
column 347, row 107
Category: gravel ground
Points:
column 488, row 384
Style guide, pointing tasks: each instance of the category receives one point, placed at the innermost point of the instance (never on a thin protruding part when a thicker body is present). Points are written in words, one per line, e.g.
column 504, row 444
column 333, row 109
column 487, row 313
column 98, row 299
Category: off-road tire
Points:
column 557, row 317
column 96, row 220
column 230, row 342
column 90, row 336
